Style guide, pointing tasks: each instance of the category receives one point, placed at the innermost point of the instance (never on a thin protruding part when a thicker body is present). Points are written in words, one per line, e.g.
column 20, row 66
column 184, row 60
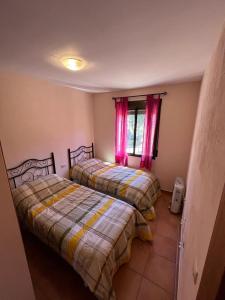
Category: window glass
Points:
column 135, row 131
column 130, row 131
column 135, row 128
column 139, row 131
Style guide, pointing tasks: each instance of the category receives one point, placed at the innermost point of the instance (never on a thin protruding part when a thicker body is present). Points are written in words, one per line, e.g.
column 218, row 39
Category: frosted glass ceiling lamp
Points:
column 73, row 64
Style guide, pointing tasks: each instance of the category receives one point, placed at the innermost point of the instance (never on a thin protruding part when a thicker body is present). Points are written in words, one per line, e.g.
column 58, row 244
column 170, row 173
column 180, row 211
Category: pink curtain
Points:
column 121, row 156
column 151, row 115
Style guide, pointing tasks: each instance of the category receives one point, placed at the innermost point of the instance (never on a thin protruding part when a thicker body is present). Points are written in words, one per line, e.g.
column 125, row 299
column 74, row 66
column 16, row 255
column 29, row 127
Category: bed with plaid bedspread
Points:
column 90, row 230
column 139, row 188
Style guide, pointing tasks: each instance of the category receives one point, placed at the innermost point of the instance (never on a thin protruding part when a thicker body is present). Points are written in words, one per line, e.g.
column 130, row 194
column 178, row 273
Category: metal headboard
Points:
column 80, row 154
column 30, row 170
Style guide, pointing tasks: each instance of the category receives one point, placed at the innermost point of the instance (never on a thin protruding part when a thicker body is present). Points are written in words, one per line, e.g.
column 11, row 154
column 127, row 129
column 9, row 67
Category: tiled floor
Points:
column 150, row 274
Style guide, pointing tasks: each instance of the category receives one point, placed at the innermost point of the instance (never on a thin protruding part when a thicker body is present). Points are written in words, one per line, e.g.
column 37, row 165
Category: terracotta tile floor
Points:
column 149, row 274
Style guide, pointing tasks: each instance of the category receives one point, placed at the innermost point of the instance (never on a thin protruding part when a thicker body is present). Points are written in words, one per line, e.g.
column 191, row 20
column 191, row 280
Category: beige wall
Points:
column 176, row 129
column 15, row 281
column 38, row 117
column 206, row 177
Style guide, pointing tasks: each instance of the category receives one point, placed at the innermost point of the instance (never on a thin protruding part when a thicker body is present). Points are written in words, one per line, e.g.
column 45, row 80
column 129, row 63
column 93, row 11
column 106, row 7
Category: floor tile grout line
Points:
column 170, row 260
column 155, row 283
column 162, row 234
column 146, row 262
column 139, row 288
column 174, row 240
column 166, row 237
column 142, row 274
column 155, row 252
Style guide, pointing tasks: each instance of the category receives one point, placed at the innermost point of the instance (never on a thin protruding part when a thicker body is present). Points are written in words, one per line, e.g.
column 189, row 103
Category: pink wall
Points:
column 206, row 176
column 38, row 117
column 176, row 129
column 15, row 281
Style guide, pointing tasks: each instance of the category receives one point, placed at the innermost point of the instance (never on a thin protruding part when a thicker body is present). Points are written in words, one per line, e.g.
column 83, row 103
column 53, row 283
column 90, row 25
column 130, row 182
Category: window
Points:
column 135, row 127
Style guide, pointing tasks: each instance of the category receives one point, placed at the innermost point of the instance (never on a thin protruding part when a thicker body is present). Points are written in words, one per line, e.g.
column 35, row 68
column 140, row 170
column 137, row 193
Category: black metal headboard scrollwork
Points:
column 79, row 154
column 30, row 170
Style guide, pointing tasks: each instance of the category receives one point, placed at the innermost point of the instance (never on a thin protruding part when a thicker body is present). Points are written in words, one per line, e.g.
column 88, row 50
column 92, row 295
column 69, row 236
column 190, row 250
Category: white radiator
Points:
column 178, row 196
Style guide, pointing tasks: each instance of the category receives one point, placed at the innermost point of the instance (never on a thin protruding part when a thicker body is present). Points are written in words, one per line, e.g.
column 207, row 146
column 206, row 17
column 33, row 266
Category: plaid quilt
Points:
column 139, row 188
column 90, row 230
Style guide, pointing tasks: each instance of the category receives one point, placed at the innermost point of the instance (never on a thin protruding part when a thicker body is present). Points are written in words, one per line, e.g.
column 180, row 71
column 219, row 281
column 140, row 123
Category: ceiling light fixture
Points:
column 73, row 64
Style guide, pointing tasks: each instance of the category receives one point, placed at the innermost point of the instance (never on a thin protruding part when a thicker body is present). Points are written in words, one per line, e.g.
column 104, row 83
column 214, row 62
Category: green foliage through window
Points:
column 135, row 127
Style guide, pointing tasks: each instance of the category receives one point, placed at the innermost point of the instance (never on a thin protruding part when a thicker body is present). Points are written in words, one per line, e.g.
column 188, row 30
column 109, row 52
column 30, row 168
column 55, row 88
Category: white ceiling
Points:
column 127, row 43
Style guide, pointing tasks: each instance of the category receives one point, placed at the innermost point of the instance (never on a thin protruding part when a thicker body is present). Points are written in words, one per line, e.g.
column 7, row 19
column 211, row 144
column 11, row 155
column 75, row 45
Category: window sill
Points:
column 139, row 155
column 135, row 155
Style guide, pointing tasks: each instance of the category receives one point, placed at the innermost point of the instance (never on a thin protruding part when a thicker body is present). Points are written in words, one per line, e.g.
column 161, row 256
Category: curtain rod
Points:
column 163, row 94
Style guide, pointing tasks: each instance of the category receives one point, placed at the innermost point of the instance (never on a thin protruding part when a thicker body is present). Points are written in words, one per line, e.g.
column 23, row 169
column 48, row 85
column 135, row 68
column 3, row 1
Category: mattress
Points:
column 137, row 187
column 90, row 230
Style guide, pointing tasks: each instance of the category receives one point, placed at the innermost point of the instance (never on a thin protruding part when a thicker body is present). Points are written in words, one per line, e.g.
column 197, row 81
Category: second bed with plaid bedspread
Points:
column 139, row 188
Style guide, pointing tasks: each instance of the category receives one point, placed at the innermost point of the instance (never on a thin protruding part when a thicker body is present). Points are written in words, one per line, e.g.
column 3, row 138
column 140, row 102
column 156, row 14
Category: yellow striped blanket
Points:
column 139, row 188
column 90, row 230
